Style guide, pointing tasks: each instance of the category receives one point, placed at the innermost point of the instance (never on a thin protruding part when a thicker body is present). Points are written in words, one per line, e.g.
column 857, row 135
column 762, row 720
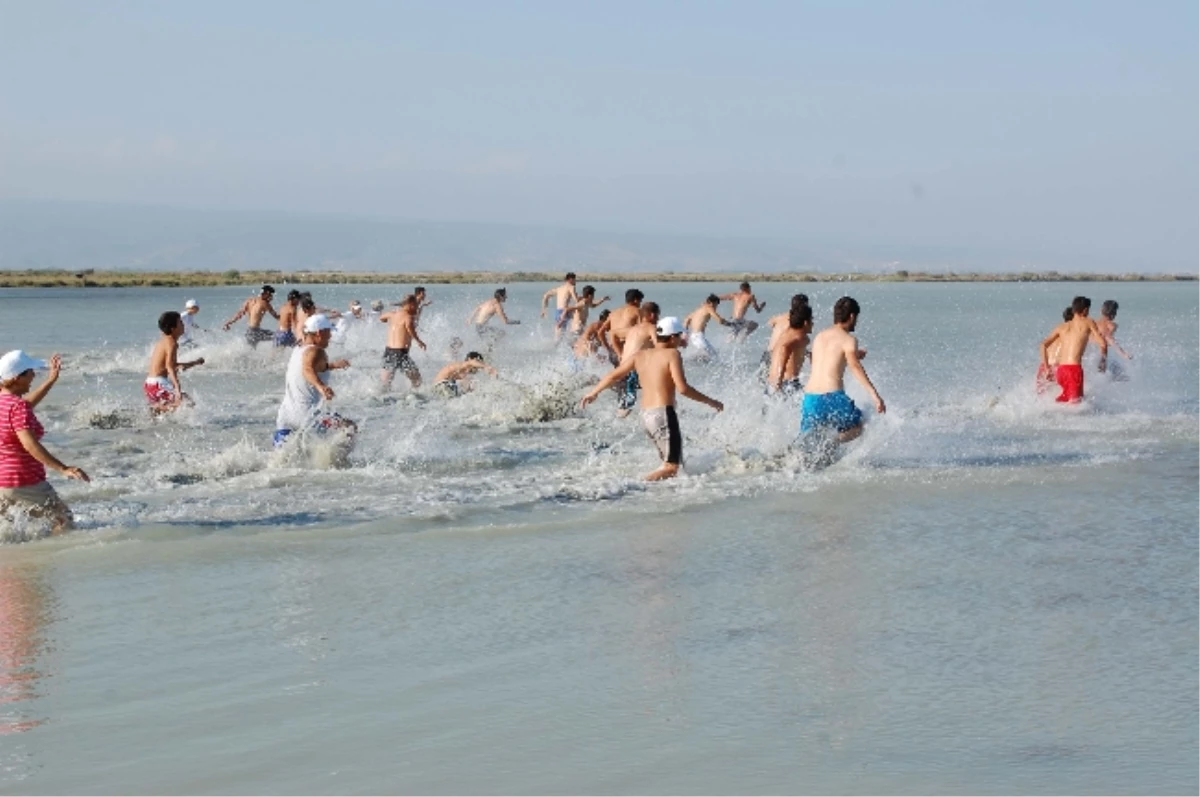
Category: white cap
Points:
column 189, row 304
column 668, row 326
column 18, row 362
column 316, row 323
column 355, row 303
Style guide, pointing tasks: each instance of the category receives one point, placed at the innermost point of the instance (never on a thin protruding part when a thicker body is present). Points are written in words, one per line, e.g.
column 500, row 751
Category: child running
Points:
column 660, row 371
column 455, row 378
column 162, row 383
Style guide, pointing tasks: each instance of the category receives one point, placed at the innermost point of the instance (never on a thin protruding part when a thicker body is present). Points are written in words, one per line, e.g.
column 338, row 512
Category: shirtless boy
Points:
column 255, row 308
column 484, row 312
column 697, row 322
column 455, row 378
column 1108, row 328
column 285, row 336
column 625, row 318
column 787, row 355
column 162, row 383
column 1072, row 337
column 577, row 314
column 593, row 338
column 743, row 300
column 564, row 296
column 662, row 376
column 779, row 325
column 826, row 405
column 402, row 331
column 1046, row 371
column 638, row 338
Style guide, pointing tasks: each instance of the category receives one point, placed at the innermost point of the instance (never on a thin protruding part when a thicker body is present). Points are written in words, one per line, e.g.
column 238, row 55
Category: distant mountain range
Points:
column 82, row 235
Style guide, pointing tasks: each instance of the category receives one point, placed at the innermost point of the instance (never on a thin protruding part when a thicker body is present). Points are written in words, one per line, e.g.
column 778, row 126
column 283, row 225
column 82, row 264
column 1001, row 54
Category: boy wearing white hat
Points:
column 306, row 384
column 190, row 308
column 660, row 371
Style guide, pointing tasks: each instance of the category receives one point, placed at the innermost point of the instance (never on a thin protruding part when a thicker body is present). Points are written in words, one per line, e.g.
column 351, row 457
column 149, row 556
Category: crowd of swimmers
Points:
column 643, row 348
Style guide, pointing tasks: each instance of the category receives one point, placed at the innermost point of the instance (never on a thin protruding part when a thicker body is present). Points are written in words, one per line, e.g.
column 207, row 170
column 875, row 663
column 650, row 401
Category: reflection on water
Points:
column 26, row 603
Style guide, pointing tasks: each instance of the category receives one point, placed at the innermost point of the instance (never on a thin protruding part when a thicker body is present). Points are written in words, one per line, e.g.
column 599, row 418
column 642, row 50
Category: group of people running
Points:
column 643, row 348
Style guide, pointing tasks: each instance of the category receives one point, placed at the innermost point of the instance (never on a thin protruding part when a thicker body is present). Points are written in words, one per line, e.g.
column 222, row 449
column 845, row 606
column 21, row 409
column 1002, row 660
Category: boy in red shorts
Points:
column 1072, row 338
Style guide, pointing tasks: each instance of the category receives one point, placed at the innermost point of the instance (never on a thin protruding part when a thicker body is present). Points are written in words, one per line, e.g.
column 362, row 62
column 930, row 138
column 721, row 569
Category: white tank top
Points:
column 299, row 397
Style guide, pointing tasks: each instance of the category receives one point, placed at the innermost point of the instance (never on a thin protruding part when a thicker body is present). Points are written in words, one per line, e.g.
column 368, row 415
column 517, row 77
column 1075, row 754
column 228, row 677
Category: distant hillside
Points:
column 76, row 236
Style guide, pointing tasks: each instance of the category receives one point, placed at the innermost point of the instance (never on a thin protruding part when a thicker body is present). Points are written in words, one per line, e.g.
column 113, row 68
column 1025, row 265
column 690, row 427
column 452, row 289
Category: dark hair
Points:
column 745, row 286
column 589, row 290
column 713, row 299
column 293, row 295
column 1081, row 304
column 1068, row 314
column 799, row 299
column 307, row 304
column 1109, row 309
column 268, row 289
column 570, row 275
column 407, row 300
column 168, row 321
column 306, row 295
column 603, row 316
column 501, row 293
column 799, row 316
column 418, row 289
column 633, row 295
column 649, row 309
column 844, row 308
column 474, row 355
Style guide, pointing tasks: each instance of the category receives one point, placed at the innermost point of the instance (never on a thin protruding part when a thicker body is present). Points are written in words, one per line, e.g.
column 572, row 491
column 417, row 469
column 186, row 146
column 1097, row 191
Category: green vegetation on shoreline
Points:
column 178, row 279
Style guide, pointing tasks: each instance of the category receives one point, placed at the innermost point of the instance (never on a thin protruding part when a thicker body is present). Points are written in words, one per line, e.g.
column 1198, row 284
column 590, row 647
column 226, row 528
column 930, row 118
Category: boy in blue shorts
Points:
column 826, row 405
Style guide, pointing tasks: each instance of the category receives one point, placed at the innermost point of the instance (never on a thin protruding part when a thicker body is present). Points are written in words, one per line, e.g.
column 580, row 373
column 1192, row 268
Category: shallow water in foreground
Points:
column 987, row 594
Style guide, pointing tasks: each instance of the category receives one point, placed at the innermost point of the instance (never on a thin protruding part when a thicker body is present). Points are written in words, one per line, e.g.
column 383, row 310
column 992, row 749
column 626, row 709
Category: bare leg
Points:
column 387, row 377
column 850, row 434
column 667, row 471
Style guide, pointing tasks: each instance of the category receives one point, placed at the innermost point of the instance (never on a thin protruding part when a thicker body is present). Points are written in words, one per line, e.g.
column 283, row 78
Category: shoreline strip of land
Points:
column 188, row 279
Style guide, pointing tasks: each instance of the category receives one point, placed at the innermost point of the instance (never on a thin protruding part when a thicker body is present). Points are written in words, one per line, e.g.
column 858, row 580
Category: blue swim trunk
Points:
column 558, row 314
column 285, row 338
column 829, row 410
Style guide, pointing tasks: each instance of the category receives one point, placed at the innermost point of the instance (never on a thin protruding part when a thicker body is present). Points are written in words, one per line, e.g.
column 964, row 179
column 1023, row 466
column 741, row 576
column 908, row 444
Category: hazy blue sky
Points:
column 1043, row 127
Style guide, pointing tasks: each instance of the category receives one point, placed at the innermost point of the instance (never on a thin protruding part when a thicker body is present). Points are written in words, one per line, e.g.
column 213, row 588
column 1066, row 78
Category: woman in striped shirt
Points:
column 23, row 458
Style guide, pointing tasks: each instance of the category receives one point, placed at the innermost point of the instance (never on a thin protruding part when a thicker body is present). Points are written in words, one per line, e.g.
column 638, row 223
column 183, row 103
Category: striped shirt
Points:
column 17, row 467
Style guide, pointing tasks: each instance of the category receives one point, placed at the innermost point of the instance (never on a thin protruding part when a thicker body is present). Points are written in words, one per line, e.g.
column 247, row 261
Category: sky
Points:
column 1038, row 129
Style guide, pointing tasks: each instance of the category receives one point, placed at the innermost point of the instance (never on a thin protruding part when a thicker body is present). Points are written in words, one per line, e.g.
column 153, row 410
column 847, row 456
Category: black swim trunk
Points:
column 256, row 335
column 398, row 360
column 662, row 427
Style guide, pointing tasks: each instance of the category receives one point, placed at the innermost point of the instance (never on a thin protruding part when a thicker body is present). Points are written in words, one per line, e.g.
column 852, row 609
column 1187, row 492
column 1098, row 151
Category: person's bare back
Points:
column 1072, row 338
column 401, row 328
column 622, row 320
column 787, row 354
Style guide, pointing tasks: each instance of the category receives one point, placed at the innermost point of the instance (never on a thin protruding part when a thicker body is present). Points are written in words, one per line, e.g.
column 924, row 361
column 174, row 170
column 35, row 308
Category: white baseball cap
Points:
column 668, row 326
column 317, row 323
column 189, row 304
column 18, row 362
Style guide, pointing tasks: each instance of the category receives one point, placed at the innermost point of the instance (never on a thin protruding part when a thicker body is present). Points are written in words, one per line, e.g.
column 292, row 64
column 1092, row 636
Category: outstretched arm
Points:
column 546, row 299
column 614, row 376
column 758, row 306
column 240, row 313
column 681, row 384
column 1047, row 343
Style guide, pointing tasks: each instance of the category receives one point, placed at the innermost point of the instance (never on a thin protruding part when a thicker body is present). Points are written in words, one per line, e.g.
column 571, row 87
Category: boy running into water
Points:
column 162, row 383
column 826, row 405
column 305, row 385
column 638, row 338
column 402, row 331
column 1108, row 329
column 779, row 325
column 190, row 309
column 1072, row 337
column 484, row 312
column 1046, row 373
column 255, row 308
column 593, row 338
column 697, row 322
column 577, row 314
column 564, row 296
column 660, row 371
column 625, row 318
column 787, row 355
column 455, row 378
column 743, row 300
column 285, row 336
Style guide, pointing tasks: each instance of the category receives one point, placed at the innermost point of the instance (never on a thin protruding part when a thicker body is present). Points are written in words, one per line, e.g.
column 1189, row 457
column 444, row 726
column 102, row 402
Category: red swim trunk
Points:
column 157, row 394
column 1070, row 379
